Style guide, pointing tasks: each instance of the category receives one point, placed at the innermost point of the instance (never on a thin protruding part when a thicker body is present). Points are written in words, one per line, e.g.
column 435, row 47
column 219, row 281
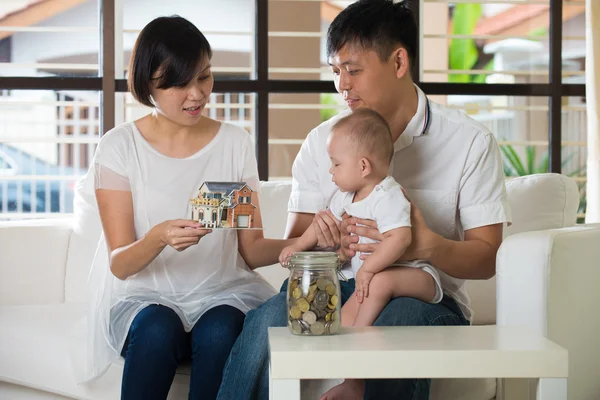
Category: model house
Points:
column 224, row 205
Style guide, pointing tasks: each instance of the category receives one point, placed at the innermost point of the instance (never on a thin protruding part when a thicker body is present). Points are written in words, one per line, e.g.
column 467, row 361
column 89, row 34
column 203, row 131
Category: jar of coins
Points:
column 313, row 301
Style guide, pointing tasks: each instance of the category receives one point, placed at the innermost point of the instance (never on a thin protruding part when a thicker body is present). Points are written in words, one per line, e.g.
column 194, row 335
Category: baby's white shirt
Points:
column 386, row 205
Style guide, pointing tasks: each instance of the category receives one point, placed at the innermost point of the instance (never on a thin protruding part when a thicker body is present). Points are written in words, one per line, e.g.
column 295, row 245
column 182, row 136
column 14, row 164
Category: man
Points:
column 449, row 164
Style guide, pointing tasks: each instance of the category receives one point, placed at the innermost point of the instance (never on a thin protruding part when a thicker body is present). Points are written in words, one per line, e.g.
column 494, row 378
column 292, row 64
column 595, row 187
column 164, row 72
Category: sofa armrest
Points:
column 33, row 256
column 548, row 281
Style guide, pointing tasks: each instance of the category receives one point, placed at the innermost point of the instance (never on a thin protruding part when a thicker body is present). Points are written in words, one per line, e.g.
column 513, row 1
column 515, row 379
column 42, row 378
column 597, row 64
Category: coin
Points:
column 295, row 326
column 312, row 288
column 334, row 327
column 295, row 312
column 330, row 289
column 328, row 317
column 293, row 285
column 303, row 305
column 321, row 297
column 322, row 283
column 297, row 293
column 335, row 316
column 318, row 328
column 334, row 300
column 309, row 317
column 304, row 325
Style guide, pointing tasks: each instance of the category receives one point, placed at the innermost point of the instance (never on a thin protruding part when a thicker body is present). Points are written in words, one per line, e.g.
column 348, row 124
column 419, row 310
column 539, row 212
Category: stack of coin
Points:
column 313, row 306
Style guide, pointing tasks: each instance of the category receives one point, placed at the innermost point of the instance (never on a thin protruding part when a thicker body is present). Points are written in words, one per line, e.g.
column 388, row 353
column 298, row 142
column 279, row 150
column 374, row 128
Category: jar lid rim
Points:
column 319, row 259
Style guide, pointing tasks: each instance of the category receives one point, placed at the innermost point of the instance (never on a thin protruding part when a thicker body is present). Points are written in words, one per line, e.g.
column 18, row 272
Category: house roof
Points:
column 32, row 12
column 15, row 6
column 223, row 187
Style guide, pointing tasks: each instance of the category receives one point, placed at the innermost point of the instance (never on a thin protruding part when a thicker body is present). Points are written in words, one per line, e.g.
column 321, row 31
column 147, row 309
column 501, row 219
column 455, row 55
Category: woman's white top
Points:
column 190, row 282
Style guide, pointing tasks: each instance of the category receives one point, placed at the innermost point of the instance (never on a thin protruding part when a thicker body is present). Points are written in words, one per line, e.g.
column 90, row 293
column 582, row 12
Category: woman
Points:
column 175, row 291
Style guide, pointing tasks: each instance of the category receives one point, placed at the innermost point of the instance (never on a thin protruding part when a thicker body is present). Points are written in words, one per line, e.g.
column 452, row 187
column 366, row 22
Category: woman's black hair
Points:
column 173, row 46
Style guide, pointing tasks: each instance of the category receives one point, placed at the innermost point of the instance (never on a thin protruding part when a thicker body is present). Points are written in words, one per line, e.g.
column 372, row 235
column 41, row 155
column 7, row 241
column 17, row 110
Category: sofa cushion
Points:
column 537, row 202
column 35, row 279
column 542, row 201
column 35, row 349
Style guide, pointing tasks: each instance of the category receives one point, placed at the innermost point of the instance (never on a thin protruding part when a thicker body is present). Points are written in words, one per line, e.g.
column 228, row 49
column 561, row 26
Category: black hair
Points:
column 369, row 133
column 379, row 25
column 173, row 45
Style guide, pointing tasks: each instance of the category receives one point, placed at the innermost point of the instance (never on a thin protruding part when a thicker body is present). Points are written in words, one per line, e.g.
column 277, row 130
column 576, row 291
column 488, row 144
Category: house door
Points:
column 243, row 221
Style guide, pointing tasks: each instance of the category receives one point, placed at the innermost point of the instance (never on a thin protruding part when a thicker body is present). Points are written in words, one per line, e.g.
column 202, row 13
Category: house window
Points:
column 214, row 216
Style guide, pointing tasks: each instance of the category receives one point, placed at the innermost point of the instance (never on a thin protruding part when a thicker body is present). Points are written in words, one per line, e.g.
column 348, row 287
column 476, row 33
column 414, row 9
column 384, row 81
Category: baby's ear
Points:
column 365, row 167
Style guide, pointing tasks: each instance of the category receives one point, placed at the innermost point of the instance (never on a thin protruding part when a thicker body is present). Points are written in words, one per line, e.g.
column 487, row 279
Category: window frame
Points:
column 107, row 84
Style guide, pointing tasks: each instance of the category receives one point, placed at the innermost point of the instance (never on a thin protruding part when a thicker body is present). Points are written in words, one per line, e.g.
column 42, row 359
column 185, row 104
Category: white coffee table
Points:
column 417, row 352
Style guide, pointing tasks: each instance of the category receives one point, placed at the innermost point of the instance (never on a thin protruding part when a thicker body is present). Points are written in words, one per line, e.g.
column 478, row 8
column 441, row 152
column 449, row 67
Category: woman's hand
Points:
column 181, row 233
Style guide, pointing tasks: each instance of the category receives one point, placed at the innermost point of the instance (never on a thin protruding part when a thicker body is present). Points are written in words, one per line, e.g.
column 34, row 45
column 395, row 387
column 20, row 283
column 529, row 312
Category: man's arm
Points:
column 474, row 258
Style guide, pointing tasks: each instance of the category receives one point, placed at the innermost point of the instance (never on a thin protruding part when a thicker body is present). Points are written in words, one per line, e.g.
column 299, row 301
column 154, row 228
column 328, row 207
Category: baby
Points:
column 360, row 148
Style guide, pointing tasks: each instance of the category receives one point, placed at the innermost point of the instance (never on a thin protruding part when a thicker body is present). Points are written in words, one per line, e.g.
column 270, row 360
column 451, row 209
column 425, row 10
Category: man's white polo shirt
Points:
column 449, row 164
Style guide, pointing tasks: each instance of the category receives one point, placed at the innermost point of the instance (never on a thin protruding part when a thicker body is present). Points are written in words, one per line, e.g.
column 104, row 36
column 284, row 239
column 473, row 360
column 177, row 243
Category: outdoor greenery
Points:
column 515, row 166
column 329, row 99
column 466, row 54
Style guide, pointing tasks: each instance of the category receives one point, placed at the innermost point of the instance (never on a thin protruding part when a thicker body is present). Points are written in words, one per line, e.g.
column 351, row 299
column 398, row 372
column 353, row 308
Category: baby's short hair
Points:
column 369, row 133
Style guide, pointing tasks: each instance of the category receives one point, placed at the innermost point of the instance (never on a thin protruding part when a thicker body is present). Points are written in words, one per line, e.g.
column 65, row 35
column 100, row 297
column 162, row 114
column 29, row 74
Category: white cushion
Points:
column 37, row 278
column 36, row 340
column 542, row 201
column 537, row 202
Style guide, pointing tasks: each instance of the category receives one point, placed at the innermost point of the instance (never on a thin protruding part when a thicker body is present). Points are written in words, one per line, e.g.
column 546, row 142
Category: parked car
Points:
column 47, row 194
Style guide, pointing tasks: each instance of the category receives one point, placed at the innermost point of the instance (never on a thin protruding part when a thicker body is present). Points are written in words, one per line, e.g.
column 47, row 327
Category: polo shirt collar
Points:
column 418, row 123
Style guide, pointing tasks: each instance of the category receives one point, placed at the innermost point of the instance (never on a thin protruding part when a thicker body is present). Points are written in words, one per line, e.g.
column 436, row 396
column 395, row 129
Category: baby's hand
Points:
column 285, row 254
column 363, row 278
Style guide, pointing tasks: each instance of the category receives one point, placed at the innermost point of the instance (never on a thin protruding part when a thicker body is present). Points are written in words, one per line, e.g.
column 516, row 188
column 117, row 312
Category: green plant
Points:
column 327, row 113
column 466, row 54
column 514, row 166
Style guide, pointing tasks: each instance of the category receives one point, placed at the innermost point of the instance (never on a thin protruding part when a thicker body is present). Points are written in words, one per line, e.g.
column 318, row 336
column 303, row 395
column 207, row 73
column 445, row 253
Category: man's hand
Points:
column 424, row 241
column 327, row 228
column 363, row 279
column 350, row 243
column 423, row 245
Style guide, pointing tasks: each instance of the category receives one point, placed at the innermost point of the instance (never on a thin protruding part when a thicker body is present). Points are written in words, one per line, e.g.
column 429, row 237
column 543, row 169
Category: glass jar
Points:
column 314, row 300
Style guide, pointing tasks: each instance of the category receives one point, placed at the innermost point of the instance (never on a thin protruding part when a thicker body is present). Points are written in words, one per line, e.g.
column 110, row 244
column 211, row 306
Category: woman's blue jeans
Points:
column 157, row 344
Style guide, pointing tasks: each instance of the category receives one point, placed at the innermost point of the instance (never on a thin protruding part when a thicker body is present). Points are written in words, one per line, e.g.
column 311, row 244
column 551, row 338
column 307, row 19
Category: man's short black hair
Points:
column 173, row 45
column 379, row 25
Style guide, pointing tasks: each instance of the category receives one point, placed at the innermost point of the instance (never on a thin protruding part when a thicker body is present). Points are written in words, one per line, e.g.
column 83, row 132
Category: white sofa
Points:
column 547, row 277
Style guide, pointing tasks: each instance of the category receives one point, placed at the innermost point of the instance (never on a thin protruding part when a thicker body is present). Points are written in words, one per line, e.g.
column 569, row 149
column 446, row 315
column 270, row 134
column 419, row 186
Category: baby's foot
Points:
column 351, row 389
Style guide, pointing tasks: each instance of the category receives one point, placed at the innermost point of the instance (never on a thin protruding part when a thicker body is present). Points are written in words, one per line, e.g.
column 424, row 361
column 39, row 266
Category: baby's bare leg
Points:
column 390, row 283
column 349, row 311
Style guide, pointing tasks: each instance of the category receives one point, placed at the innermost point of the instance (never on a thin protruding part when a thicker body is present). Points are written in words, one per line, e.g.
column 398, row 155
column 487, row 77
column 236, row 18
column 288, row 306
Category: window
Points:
column 516, row 66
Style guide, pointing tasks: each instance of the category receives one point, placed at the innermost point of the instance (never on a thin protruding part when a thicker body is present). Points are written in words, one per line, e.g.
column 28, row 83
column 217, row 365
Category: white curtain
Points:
column 592, row 68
